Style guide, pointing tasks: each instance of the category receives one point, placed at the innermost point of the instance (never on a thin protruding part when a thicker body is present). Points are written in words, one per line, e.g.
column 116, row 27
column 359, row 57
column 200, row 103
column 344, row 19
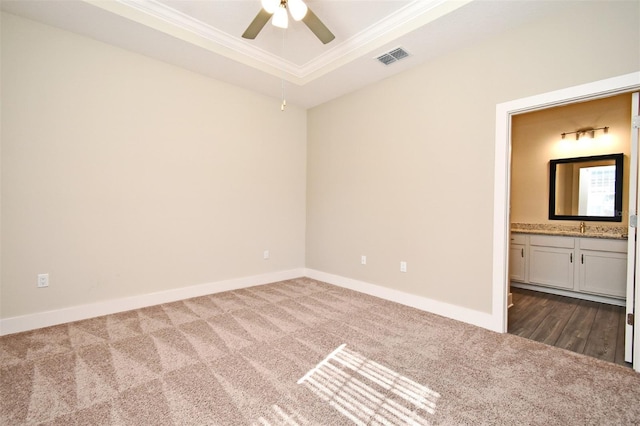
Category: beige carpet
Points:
column 300, row 352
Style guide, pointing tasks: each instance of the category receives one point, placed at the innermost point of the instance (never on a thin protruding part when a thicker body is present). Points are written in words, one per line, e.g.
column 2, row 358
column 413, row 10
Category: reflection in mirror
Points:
column 586, row 188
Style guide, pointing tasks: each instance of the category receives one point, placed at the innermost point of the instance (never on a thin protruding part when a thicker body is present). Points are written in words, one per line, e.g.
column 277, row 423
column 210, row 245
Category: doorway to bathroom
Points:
column 502, row 218
column 568, row 269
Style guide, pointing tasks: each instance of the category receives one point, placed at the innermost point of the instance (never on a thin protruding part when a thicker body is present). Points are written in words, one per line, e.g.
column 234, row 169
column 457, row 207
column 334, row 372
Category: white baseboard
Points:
column 76, row 313
column 573, row 294
column 469, row 316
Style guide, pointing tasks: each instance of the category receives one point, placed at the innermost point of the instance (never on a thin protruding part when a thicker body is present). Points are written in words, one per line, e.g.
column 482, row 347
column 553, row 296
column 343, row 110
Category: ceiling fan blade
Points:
column 257, row 24
column 317, row 27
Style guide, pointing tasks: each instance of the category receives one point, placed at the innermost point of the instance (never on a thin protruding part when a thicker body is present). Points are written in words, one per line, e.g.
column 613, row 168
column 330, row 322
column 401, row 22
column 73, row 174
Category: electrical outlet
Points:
column 43, row 280
column 363, row 260
column 265, row 255
column 403, row 266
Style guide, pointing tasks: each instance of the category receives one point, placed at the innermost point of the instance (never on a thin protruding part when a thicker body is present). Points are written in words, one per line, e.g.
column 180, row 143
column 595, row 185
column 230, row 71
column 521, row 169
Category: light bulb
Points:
column 587, row 134
column 280, row 18
column 298, row 9
column 270, row 6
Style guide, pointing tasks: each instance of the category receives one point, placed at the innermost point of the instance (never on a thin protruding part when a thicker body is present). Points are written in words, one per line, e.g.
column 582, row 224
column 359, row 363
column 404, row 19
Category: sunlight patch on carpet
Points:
column 369, row 393
column 280, row 416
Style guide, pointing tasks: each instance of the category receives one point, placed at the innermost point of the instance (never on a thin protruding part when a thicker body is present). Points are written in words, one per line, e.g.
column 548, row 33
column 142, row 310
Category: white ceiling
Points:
column 205, row 36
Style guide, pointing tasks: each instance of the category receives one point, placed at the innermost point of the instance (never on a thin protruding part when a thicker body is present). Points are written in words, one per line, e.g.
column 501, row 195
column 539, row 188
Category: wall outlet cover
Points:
column 43, row 280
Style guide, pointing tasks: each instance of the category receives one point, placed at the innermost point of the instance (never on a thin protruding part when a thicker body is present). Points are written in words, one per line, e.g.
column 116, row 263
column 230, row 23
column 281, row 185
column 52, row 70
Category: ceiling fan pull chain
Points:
column 284, row 100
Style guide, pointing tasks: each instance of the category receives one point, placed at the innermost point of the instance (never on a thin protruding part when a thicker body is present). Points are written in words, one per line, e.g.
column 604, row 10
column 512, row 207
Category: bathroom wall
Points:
column 536, row 140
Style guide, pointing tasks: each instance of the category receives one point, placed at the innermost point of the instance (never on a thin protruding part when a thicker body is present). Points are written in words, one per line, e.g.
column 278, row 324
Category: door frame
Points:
column 632, row 245
column 502, row 180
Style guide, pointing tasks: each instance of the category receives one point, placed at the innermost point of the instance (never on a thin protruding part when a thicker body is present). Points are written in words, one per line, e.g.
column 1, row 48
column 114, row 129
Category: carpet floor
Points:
column 300, row 352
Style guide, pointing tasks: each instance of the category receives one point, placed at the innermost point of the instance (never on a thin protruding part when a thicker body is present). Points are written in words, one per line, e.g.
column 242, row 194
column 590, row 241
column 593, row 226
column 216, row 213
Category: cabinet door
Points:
column 516, row 262
column 603, row 272
column 551, row 266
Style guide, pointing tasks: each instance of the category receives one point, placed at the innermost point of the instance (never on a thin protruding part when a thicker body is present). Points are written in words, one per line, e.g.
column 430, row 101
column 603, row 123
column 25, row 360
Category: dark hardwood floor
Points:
column 590, row 328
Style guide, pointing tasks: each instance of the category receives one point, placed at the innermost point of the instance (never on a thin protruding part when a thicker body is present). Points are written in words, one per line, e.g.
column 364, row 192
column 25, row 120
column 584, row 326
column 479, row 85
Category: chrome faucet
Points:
column 582, row 227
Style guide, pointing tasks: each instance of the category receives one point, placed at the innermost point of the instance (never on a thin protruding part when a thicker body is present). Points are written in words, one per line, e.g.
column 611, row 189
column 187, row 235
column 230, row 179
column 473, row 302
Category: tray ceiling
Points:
column 205, row 37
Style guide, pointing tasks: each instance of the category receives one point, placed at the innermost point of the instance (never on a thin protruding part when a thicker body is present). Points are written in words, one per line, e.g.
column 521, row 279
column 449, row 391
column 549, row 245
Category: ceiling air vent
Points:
column 393, row 56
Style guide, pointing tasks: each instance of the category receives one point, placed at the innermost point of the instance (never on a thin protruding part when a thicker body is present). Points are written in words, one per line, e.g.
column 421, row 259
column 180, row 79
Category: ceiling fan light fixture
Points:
column 280, row 17
column 276, row 12
column 298, row 9
column 270, row 6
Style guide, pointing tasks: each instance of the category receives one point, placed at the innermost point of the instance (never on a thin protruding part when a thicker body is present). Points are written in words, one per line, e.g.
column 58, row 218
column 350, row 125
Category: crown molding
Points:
column 401, row 22
column 178, row 19
column 406, row 19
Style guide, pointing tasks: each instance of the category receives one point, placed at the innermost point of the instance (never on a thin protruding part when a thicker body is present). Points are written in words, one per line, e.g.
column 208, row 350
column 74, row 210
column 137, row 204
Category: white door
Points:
column 632, row 255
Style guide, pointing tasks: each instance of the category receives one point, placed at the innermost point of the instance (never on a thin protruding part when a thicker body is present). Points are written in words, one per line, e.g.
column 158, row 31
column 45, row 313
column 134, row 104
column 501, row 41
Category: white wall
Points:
column 403, row 169
column 124, row 176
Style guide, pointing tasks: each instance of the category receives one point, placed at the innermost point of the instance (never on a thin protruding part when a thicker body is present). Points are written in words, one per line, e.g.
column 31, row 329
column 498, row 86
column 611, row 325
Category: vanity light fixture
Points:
column 586, row 132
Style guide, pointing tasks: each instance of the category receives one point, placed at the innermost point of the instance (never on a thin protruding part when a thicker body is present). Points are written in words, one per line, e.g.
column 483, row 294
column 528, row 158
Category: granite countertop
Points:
column 591, row 231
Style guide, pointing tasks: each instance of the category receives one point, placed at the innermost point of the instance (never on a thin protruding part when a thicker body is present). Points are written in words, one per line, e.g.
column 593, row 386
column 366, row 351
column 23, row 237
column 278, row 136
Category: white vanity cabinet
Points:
column 551, row 261
column 576, row 266
column 518, row 257
column 603, row 267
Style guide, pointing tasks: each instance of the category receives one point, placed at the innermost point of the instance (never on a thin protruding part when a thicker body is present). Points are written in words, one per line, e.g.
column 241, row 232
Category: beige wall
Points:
column 536, row 140
column 122, row 175
column 403, row 169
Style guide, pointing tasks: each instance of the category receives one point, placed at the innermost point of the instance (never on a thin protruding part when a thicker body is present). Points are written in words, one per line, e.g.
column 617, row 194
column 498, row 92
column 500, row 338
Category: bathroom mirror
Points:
column 586, row 188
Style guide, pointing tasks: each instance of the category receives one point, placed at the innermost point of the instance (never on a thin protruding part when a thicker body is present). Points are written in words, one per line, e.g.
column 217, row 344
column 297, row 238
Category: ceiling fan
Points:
column 278, row 9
